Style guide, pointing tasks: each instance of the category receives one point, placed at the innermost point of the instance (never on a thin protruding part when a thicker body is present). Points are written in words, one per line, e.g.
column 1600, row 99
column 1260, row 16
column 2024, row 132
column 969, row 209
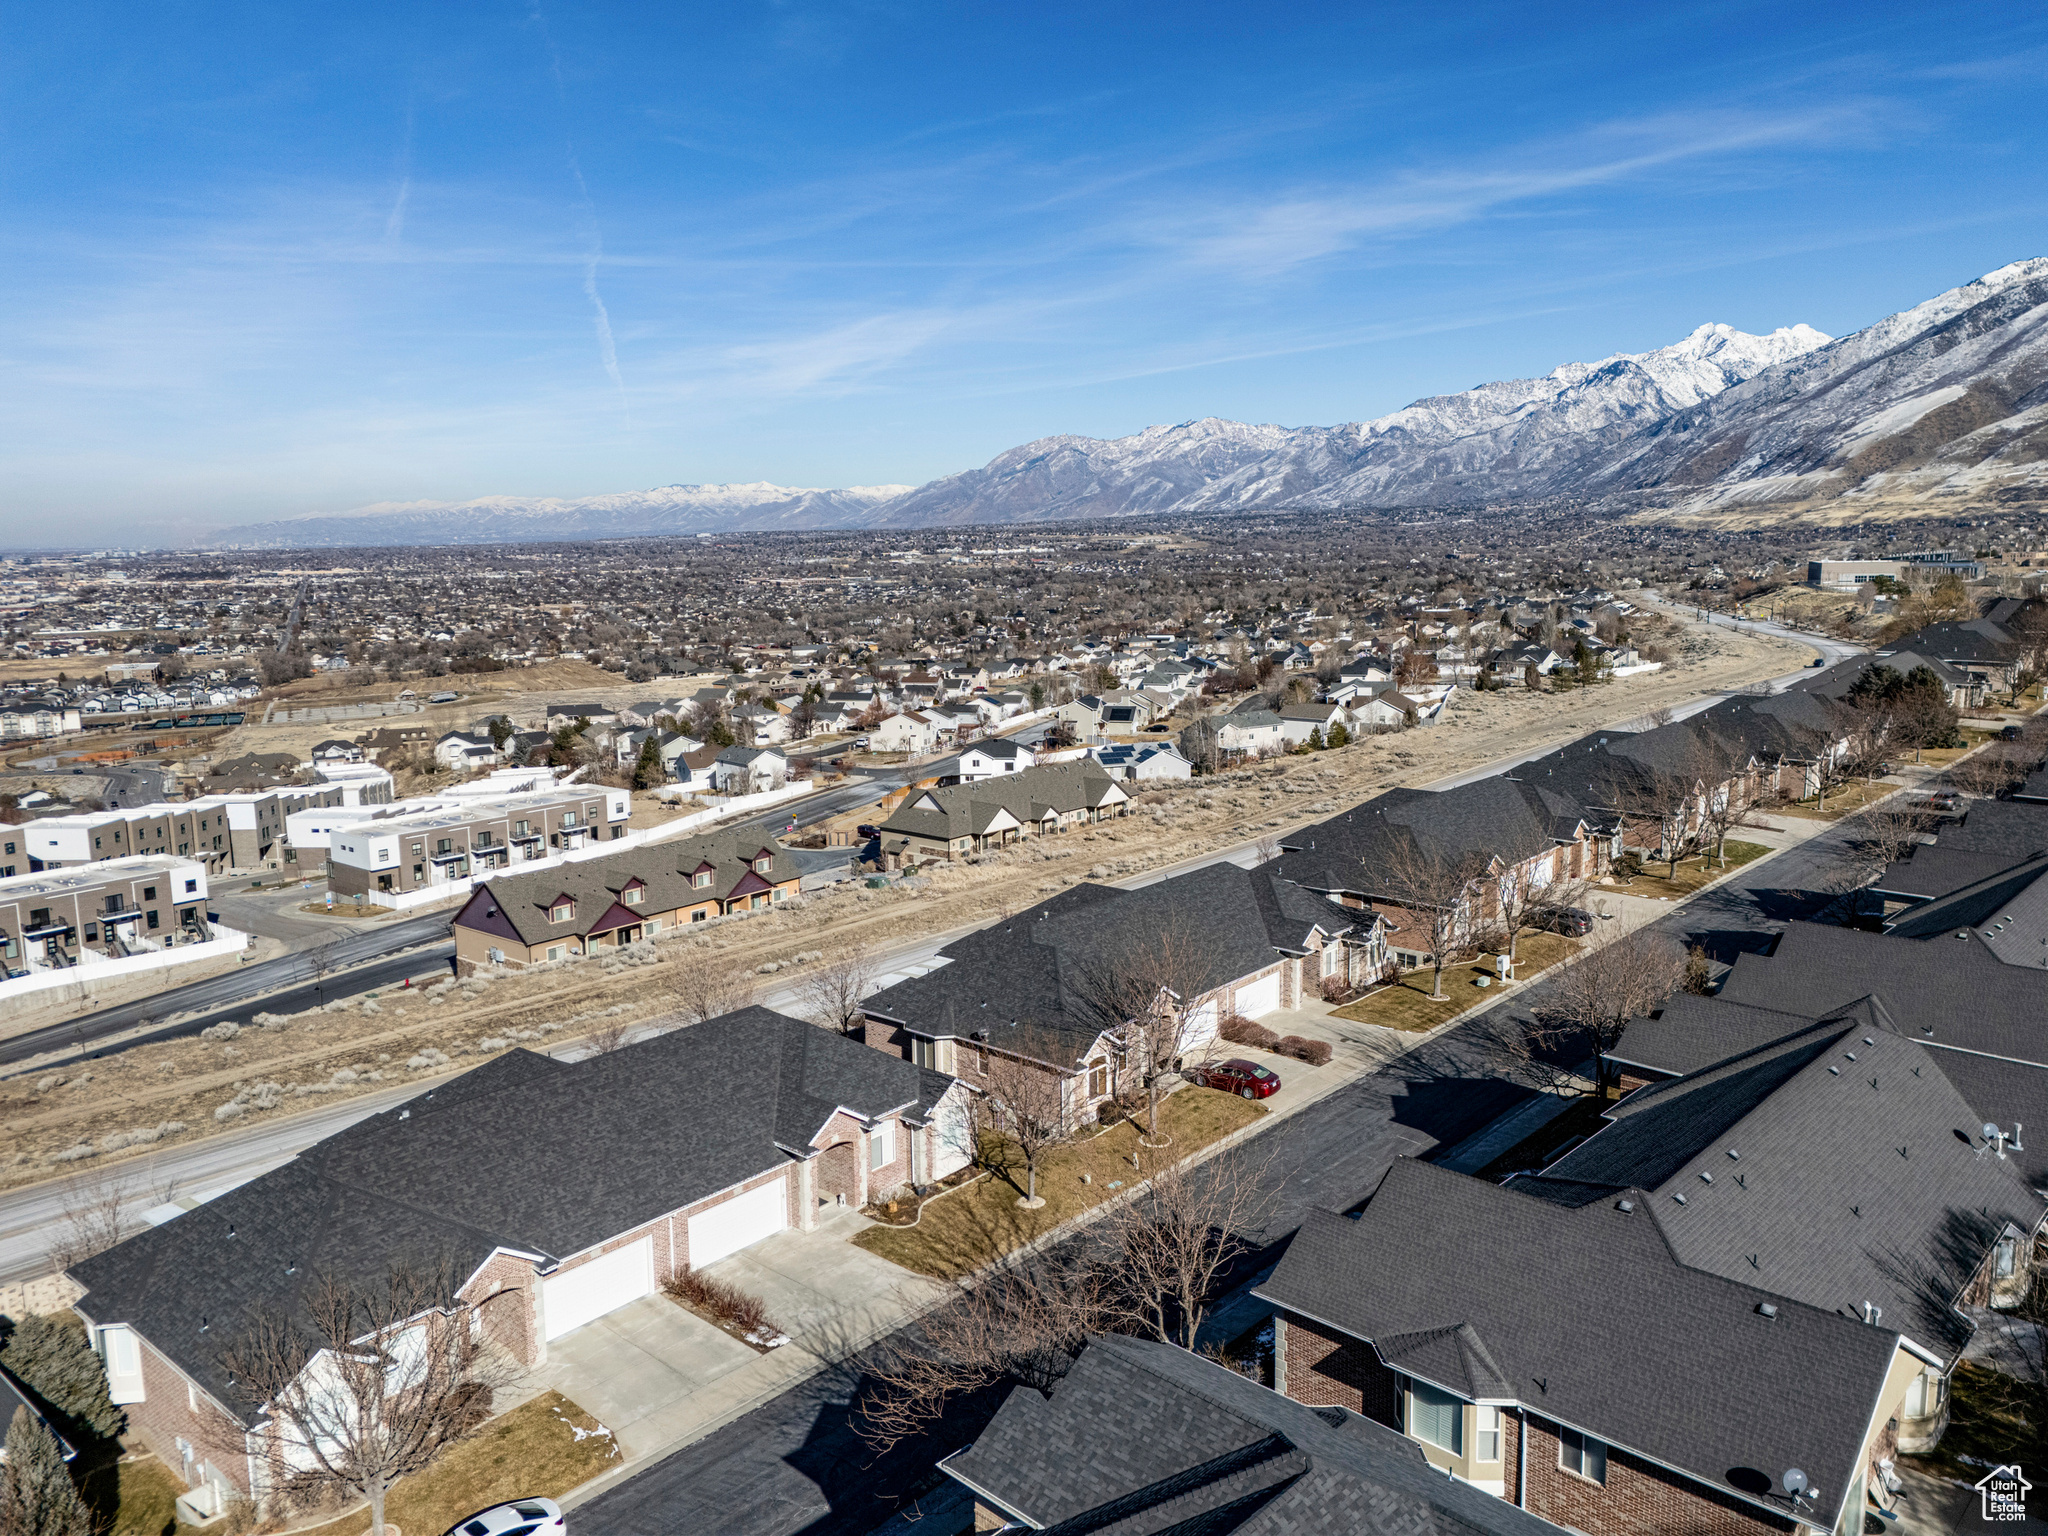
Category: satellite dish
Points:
column 1795, row 1482
column 1990, row 1131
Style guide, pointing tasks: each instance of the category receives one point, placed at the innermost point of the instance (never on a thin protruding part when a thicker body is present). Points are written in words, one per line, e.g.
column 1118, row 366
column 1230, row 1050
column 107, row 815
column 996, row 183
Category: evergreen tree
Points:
column 37, row 1496
column 1340, row 735
column 647, row 772
column 51, row 1355
column 1315, row 739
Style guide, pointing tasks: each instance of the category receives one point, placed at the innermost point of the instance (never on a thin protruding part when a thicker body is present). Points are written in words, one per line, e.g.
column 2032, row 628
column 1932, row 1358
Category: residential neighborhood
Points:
column 1781, row 1163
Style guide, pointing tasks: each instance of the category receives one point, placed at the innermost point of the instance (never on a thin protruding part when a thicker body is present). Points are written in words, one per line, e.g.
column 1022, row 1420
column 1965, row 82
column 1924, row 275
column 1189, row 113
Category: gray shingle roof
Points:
column 1592, row 1321
column 1141, row 1437
column 1855, row 1176
column 1948, row 992
column 1935, row 870
column 526, row 1152
column 1025, row 981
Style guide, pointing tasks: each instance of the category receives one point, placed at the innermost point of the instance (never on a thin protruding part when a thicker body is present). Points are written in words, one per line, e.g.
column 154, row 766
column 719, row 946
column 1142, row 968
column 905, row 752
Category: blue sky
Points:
column 268, row 259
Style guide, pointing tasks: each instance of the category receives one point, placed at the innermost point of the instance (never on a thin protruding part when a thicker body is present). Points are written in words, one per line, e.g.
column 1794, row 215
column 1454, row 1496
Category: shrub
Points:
column 1315, row 1052
column 1239, row 1030
column 1334, row 987
column 1628, row 866
column 727, row 1304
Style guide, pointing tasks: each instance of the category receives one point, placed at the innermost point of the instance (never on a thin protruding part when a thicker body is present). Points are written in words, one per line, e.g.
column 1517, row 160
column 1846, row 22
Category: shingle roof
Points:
column 665, row 869
column 1947, row 992
column 1027, row 980
column 961, row 810
column 1592, row 1321
column 526, row 1152
column 2008, row 912
column 1140, row 1437
column 1935, row 870
column 1855, row 1176
column 1488, row 818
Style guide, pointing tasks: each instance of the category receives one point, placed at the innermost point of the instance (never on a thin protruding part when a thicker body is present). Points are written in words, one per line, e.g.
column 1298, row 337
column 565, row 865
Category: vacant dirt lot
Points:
column 80, row 1114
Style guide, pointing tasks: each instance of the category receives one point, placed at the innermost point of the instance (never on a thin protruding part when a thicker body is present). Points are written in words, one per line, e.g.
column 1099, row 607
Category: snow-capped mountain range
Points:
column 1948, row 397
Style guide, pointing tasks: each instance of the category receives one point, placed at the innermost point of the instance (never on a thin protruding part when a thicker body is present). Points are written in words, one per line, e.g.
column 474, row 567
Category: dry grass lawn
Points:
column 1692, row 873
column 963, row 1231
column 147, row 1492
column 1409, row 1004
column 531, row 1452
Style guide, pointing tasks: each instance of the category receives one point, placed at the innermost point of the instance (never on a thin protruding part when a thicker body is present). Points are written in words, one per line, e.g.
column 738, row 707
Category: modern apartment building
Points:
column 394, row 855
column 226, row 833
column 117, row 908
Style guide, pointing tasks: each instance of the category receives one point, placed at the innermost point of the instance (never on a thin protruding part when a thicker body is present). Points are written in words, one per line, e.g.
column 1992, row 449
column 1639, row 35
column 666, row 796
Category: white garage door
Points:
column 732, row 1224
column 1260, row 998
column 588, row 1291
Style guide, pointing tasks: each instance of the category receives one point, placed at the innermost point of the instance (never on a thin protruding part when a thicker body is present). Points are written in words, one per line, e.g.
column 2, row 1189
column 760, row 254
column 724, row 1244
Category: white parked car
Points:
column 522, row 1517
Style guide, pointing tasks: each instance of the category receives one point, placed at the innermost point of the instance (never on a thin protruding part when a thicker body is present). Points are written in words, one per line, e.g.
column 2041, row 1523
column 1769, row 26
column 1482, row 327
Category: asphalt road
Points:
column 795, row 1466
column 372, row 957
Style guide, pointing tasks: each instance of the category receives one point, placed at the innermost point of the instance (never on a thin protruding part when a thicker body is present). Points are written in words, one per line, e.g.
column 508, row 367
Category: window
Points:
column 1582, row 1455
column 1098, row 1078
column 924, row 1052
column 634, row 896
column 562, row 912
column 1436, row 1418
column 761, row 864
column 882, row 1145
column 2005, row 1258
column 554, row 951
column 520, row 829
column 191, row 887
column 445, row 845
column 568, row 818
column 699, row 915
column 149, row 893
column 701, row 879
column 153, row 918
column 92, row 932
column 1488, row 1434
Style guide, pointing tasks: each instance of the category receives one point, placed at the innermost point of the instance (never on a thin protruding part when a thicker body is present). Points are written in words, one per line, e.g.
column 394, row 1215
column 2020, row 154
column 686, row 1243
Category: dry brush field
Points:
column 71, row 1115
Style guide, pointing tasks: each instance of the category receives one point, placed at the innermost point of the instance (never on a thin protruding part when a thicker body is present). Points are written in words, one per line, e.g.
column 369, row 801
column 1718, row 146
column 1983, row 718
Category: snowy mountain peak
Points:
column 1948, row 397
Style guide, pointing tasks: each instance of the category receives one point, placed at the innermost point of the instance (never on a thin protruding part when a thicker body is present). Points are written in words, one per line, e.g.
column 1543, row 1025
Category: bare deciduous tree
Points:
column 1593, row 998
column 832, row 988
column 609, row 1035
column 703, row 984
column 1023, row 1321
column 1147, row 993
column 1436, row 889
column 100, row 1213
column 1153, row 1265
column 1885, row 833
column 1023, row 1114
column 363, row 1383
column 1655, row 805
column 1169, row 1245
column 1989, row 772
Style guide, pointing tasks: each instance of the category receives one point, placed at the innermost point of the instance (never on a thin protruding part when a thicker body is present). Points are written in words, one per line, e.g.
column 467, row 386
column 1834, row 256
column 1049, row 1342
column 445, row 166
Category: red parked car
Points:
column 1245, row 1079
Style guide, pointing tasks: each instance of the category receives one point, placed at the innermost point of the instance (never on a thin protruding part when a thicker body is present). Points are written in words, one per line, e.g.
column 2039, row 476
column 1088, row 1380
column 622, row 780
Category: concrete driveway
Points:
column 659, row 1376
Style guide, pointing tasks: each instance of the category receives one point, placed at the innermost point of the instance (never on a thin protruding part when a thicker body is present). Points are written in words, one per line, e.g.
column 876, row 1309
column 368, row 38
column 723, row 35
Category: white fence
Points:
column 49, row 984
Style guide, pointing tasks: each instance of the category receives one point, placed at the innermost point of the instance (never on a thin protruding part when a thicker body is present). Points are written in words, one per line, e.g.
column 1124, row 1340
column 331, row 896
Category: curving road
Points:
column 373, row 957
